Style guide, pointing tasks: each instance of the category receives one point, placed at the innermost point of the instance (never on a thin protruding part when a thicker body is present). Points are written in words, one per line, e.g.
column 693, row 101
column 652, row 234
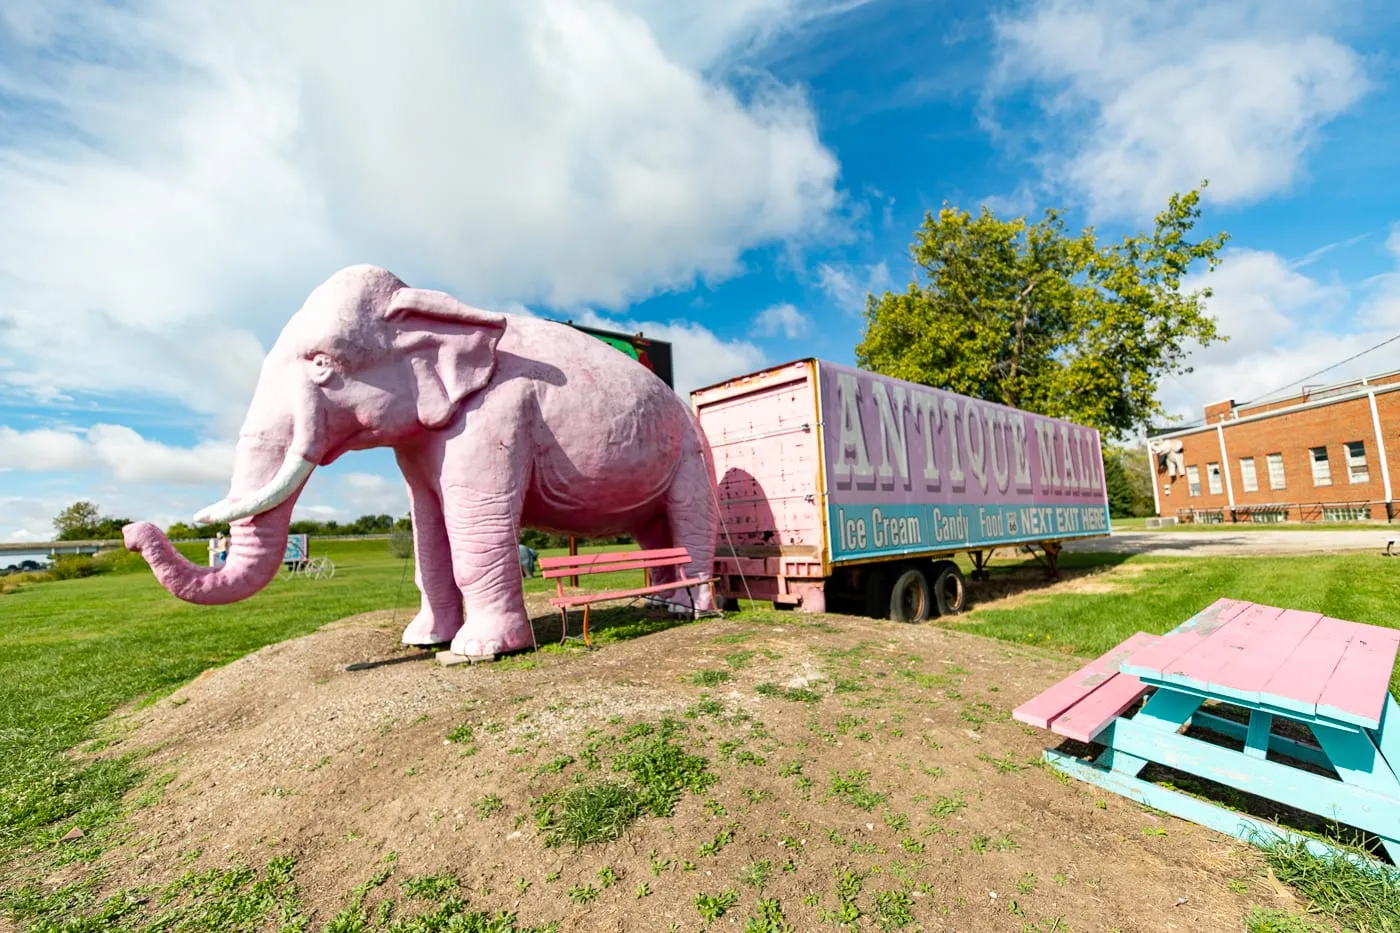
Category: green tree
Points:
column 76, row 522
column 181, row 530
column 1140, row 477
column 1122, row 503
column 83, row 521
column 1031, row 316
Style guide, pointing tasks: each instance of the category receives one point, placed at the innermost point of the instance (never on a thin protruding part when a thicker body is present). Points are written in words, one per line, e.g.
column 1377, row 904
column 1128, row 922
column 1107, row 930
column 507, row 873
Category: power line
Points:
column 1320, row 371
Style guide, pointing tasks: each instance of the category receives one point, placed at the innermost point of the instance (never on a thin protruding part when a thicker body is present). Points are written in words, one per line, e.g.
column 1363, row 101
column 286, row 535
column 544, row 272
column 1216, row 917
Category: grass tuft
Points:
column 853, row 787
column 662, row 770
column 1337, row 887
column 589, row 813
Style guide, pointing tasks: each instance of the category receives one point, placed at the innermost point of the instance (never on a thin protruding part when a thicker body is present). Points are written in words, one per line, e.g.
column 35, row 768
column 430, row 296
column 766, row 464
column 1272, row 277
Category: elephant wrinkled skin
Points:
column 497, row 421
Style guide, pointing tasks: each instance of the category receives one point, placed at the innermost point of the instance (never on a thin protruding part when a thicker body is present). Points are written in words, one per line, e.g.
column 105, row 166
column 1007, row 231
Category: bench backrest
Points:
column 612, row 561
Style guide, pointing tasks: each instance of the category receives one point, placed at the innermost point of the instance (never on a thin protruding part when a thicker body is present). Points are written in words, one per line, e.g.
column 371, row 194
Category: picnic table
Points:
column 1328, row 677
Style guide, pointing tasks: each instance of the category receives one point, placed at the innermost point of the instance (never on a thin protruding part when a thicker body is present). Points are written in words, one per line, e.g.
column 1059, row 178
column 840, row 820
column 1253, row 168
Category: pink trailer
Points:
column 840, row 485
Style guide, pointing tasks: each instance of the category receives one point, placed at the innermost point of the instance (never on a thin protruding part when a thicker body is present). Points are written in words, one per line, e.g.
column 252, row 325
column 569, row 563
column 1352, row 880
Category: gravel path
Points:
column 1226, row 543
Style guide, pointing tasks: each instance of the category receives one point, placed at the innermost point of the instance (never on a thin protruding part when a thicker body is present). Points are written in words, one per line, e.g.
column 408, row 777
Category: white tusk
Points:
column 294, row 471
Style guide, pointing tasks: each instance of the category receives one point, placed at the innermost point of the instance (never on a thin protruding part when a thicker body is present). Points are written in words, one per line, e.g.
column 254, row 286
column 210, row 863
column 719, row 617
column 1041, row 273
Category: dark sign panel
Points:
column 655, row 355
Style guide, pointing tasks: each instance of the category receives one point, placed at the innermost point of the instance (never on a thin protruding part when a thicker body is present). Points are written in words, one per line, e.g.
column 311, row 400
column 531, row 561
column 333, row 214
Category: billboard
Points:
column 655, row 355
column 910, row 468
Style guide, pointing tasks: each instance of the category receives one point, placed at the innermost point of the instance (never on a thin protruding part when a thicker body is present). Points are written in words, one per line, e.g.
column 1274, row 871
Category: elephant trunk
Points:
column 256, row 548
column 267, row 479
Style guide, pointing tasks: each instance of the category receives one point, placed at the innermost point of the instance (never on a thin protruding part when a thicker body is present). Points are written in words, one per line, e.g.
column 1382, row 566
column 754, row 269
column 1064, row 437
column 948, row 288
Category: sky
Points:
column 733, row 176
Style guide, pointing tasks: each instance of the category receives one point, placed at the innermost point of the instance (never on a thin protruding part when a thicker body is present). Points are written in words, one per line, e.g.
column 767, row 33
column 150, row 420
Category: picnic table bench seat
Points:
column 1329, row 678
column 1084, row 703
column 559, row 568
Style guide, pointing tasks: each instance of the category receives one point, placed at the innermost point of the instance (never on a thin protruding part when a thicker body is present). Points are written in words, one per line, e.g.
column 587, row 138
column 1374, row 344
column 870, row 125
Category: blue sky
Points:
column 732, row 176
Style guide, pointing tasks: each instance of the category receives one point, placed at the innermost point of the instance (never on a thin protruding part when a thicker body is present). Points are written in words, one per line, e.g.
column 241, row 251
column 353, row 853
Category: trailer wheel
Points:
column 949, row 593
column 910, row 600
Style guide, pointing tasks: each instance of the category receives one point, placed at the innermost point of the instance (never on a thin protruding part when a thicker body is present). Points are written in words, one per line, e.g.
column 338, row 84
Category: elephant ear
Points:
column 450, row 346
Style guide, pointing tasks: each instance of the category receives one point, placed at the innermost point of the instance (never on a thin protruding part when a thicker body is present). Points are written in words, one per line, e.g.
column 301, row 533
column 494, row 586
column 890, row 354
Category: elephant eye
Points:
column 322, row 368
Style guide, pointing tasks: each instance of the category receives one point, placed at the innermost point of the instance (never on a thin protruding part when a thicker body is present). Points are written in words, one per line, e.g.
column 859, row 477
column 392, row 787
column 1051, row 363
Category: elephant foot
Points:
column 488, row 641
column 429, row 629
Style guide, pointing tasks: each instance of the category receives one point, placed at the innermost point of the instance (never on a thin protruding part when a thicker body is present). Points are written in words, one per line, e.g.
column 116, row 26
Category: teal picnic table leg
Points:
column 1359, row 762
column 1166, row 710
column 1279, row 744
column 1256, row 740
column 1387, row 737
column 1195, row 810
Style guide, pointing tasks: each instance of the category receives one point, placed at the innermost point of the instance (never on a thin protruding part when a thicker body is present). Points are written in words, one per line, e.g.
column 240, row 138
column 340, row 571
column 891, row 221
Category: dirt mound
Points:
column 849, row 766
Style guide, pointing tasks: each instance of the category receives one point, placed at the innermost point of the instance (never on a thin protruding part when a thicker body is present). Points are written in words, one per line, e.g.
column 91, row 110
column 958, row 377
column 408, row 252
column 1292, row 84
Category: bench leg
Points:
column 586, row 641
column 1358, row 761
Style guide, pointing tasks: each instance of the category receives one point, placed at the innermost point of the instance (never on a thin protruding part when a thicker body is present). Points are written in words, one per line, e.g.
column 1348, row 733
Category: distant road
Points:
column 1226, row 543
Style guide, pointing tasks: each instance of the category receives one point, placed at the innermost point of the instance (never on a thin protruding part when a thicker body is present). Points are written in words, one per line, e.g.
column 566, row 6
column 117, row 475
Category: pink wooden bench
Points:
column 1329, row 677
column 1084, row 703
column 558, row 568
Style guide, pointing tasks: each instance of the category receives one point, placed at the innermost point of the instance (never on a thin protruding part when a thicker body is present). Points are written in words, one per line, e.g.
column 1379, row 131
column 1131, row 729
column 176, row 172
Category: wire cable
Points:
column 1320, row 371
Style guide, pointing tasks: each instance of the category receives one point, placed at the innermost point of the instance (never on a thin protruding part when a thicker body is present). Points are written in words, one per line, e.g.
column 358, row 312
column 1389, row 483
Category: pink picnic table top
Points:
column 1298, row 662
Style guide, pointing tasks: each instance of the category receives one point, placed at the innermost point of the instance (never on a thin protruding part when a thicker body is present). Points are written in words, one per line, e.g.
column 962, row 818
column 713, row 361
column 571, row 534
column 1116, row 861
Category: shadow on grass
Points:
column 607, row 624
column 1022, row 576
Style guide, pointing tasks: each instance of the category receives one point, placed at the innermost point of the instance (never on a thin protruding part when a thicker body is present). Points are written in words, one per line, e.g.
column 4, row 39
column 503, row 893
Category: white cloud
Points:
column 1382, row 305
column 202, row 168
column 848, row 285
column 372, row 494
column 782, row 319
column 30, row 517
column 1144, row 99
column 1283, row 326
column 128, row 456
column 699, row 357
column 1260, row 301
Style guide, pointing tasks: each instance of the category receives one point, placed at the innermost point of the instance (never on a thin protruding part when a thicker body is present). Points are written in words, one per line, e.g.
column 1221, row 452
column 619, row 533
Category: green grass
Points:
column 74, row 651
column 1336, row 887
column 1357, row 587
column 589, row 813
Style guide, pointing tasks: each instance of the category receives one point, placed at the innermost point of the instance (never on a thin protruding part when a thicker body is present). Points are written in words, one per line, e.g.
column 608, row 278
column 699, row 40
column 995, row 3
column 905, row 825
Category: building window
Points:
column 1356, row 462
column 1247, row 477
column 1275, row 463
column 1322, row 470
column 1193, row 481
column 1213, row 477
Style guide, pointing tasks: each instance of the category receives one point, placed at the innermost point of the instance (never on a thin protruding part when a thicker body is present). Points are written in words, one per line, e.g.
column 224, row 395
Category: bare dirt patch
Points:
column 860, row 768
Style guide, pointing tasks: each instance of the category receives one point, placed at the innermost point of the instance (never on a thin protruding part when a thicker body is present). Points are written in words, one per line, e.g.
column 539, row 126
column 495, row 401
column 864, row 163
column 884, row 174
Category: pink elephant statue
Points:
column 497, row 421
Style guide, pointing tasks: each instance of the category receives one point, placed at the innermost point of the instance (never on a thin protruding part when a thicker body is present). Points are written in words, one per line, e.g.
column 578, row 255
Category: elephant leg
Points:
column 693, row 516
column 484, row 530
column 655, row 535
column 439, row 616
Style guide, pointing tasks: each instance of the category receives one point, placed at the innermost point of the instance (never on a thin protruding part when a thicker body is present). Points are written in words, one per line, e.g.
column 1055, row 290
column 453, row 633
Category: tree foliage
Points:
column 364, row 525
column 1031, row 316
column 1127, row 481
column 181, row 531
column 84, row 521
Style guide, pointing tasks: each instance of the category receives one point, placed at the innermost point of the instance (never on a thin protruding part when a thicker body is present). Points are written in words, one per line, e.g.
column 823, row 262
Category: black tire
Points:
column 949, row 590
column 910, row 599
column 730, row 604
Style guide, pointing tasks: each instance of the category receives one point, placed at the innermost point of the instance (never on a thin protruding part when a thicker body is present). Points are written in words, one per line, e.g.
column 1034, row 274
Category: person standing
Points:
column 529, row 558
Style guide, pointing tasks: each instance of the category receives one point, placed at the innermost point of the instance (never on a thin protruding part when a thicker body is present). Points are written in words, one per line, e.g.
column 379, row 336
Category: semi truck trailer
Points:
column 841, row 486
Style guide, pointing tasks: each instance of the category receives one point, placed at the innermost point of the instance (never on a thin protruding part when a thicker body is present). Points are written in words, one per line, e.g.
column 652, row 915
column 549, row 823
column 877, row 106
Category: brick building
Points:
column 1325, row 454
